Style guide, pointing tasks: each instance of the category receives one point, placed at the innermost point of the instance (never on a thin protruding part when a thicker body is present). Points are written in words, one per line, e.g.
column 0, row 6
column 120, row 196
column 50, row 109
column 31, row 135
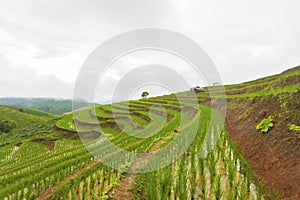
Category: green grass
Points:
column 22, row 119
column 83, row 115
column 67, row 122
column 34, row 164
column 207, row 170
column 267, row 91
column 37, row 113
column 139, row 120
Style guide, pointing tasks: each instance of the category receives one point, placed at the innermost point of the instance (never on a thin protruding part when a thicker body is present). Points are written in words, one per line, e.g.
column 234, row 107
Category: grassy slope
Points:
column 239, row 94
column 281, row 87
column 35, row 112
column 276, row 96
column 31, row 125
column 273, row 155
column 22, row 119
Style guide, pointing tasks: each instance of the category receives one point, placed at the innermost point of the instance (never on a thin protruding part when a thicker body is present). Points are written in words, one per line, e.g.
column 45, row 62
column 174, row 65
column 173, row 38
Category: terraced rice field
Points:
column 210, row 168
column 167, row 147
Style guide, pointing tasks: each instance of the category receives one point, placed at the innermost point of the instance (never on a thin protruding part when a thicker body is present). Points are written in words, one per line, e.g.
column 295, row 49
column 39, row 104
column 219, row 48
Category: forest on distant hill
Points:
column 49, row 105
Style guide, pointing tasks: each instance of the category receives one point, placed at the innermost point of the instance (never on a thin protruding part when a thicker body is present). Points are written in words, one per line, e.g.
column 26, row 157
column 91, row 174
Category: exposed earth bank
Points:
column 275, row 155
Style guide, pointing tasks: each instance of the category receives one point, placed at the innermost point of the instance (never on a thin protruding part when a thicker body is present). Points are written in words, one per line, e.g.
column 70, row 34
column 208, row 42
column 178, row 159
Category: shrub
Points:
column 7, row 125
column 265, row 125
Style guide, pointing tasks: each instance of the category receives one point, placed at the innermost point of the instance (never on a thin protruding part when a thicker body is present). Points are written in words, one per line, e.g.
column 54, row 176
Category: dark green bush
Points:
column 7, row 125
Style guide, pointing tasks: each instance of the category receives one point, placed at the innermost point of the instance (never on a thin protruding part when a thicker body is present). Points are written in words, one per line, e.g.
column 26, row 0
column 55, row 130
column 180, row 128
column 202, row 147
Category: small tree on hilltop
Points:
column 145, row 94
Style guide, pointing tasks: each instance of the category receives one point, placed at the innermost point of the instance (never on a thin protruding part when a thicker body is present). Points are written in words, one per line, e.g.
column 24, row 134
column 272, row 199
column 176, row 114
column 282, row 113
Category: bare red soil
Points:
column 275, row 155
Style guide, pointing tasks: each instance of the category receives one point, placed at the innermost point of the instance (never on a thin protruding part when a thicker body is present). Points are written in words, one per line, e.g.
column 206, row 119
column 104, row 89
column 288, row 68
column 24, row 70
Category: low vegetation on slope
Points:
column 274, row 153
column 21, row 118
column 18, row 125
column 69, row 171
column 49, row 162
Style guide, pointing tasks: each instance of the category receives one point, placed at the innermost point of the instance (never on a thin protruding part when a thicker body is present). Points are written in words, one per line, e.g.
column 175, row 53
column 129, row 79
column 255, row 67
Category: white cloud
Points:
column 49, row 40
column 25, row 82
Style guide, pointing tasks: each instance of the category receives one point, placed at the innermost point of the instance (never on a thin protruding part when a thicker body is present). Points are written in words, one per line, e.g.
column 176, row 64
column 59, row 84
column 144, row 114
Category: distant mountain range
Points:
column 50, row 105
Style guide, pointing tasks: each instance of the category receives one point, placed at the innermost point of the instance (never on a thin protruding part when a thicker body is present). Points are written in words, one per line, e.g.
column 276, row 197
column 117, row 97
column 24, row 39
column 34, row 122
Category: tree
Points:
column 145, row 94
column 7, row 125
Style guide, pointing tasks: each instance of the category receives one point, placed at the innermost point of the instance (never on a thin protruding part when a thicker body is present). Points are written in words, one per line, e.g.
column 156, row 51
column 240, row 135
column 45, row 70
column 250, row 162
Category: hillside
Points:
column 238, row 162
column 49, row 105
column 34, row 112
column 20, row 116
column 75, row 172
column 274, row 155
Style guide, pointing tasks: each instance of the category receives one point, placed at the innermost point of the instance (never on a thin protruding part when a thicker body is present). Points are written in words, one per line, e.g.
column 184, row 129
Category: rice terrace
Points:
column 69, row 156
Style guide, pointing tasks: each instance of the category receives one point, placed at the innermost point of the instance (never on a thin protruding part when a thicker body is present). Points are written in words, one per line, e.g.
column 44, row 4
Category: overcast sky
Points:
column 43, row 44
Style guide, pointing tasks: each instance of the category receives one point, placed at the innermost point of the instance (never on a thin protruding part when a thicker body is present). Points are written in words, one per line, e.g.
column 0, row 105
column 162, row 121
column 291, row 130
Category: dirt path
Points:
column 123, row 190
column 50, row 191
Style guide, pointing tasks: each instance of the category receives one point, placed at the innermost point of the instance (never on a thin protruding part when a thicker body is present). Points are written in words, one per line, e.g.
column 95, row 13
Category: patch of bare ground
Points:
column 275, row 155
